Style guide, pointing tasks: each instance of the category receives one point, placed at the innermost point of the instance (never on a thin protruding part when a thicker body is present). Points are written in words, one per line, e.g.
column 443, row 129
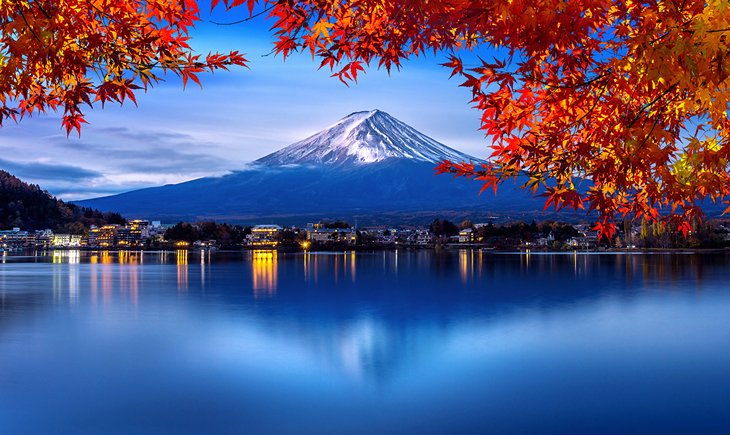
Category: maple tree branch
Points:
column 651, row 103
column 646, row 138
column 42, row 10
column 573, row 86
column 20, row 10
column 595, row 103
column 256, row 15
column 295, row 36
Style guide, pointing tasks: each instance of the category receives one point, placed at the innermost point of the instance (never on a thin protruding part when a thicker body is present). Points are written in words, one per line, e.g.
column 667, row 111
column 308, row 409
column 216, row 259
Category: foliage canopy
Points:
column 620, row 107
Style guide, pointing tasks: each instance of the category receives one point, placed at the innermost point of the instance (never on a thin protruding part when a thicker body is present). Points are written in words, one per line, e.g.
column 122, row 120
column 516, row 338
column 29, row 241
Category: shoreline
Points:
column 330, row 249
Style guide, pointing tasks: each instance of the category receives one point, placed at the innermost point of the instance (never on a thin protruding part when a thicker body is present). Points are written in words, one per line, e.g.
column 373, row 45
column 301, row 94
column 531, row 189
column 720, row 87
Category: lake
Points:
column 383, row 342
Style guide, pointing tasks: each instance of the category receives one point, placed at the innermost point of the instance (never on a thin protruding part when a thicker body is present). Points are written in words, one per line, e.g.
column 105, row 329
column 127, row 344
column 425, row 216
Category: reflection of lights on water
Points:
column 466, row 264
column 462, row 265
column 130, row 257
column 182, row 269
column 335, row 264
column 73, row 282
column 525, row 259
column 106, row 258
column 181, row 256
column 70, row 257
column 336, row 268
column 480, row 267
column 471, row 263
column 396, row 261
column 71, row 273
column 93, row 279
column 134, row 285
column 352, row 265
column 106, row 277
column 203, row 253
column 306, row 265
column 264, row 272
column 104, row 267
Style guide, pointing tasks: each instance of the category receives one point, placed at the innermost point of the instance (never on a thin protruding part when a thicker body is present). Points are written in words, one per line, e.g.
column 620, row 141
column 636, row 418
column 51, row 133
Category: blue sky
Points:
column 176, row 135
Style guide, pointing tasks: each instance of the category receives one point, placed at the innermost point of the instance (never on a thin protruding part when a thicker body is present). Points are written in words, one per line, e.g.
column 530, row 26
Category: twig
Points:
column 233, row 23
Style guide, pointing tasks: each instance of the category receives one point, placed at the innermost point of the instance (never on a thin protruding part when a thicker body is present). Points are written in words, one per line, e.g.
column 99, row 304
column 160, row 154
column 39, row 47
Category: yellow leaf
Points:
column 322, row 28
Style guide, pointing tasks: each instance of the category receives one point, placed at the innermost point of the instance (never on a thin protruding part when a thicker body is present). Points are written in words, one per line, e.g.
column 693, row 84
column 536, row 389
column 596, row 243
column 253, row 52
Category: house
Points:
column 546, row 241
column 466, row 235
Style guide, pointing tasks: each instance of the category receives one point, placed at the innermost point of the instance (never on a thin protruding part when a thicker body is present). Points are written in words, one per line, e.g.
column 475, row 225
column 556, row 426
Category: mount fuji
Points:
column 368, row 167
column 363, row 138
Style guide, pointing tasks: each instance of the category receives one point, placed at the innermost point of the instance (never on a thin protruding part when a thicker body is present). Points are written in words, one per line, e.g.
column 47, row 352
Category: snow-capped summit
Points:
column 364, row 138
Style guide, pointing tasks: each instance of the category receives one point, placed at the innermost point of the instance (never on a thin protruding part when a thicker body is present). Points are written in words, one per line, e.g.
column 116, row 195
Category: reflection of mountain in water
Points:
column 369, row 314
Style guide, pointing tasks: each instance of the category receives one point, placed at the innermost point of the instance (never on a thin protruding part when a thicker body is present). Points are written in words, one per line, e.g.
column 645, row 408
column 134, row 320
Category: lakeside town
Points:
column 547, row 236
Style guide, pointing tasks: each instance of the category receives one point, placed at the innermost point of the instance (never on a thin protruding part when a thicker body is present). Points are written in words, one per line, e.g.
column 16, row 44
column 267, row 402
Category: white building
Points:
column 66, row 240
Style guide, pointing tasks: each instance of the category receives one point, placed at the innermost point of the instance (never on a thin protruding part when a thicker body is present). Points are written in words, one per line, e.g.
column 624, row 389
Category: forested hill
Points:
column 28, row 207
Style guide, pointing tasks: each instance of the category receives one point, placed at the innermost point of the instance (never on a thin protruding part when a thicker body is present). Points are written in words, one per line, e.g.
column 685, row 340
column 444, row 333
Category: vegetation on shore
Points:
column 27, row 206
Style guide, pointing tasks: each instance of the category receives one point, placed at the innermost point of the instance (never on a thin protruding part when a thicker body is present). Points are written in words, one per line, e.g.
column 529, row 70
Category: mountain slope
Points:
column 368, row 166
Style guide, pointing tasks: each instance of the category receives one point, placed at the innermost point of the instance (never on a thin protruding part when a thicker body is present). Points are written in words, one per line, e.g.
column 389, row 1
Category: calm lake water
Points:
column 384, row 342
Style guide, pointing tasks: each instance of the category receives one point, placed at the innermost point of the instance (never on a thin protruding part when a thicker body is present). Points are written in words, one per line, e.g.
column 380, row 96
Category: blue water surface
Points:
column 383, row 342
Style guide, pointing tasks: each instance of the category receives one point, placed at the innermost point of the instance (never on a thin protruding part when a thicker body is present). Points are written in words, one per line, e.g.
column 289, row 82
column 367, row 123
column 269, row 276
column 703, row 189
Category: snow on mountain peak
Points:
column 364, row 138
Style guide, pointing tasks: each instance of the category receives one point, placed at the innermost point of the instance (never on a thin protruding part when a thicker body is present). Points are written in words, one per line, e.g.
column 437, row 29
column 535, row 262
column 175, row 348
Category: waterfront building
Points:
column 44, row 238
column 316, row 233
column 16, row 238
column 65, row 240
column 125, row 237
column 265, row 235
column 587, row 242
column 103, row 237
column 139, row 228
column 382, row 235
column 466, row 235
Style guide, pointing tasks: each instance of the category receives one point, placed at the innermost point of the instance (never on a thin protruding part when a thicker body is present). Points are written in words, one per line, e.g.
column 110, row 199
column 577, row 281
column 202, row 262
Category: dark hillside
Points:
column 29, row 207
